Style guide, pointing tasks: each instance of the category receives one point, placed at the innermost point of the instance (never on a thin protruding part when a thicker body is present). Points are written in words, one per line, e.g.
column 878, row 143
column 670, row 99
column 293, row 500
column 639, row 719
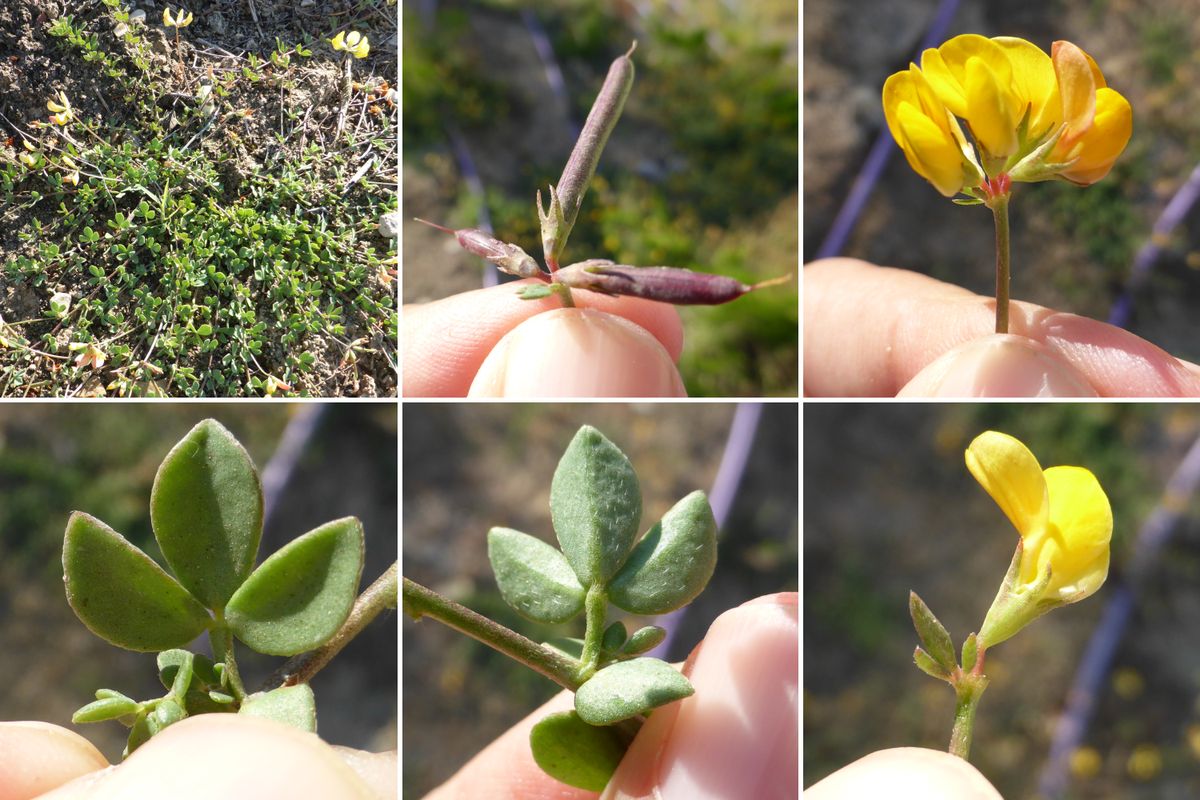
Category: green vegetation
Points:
column 210, row 218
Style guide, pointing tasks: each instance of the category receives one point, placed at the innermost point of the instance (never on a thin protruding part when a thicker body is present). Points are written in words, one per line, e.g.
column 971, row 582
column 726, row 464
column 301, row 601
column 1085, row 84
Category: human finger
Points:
column 36, row 757
column 906, row 773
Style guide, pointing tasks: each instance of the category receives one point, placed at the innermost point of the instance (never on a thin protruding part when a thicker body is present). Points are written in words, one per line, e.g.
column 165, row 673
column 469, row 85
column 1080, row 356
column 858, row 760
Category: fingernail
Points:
column 1000, row 365
column 577, row 352
column 738, row 735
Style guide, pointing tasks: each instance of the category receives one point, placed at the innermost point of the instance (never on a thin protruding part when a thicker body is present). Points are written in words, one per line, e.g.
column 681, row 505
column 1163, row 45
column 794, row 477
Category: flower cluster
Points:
column 354, row 43
column 1030, row 116
column 63, row 113
column 179, row 20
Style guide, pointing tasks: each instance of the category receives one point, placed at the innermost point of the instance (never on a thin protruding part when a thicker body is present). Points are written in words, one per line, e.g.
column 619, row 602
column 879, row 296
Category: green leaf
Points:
column 139, row 734
column 535, row 292
column 121, row 595
column 933, row 636
column 929, row 666
column 596, row 505
column 970, row 651
column 614, row 636
column 291, row 705
column 673, row 561
column 644, row 639
column 571, row 648
column 533, row 577
column 629, row 688
column 302, row 594
column 175, row 671
column 105, row 709
column 575, row 753
column 167, row 712
column 207, row 511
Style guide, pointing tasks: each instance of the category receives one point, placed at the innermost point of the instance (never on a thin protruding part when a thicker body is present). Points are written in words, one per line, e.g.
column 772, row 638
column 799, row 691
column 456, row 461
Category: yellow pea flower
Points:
column 354, row 43
column 1065, row 523
column 63, row 113
column 179, row 20
column 1032, row 116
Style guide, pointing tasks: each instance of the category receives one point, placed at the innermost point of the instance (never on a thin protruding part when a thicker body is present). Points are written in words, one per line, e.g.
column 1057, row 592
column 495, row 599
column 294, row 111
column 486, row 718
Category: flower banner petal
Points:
column 1012, row 476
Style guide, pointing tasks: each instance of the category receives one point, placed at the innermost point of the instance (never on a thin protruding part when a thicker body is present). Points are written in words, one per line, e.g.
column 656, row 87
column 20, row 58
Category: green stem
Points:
column 595, row 606
column 969, row 689
column 222, row 644
column 999, row 206
column 420, row 601
column 370, row 604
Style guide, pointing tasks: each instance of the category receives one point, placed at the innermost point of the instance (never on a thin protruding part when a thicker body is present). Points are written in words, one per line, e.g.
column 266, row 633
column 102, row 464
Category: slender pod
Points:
column 567, row 196
column 681, row 287
column 508, row 257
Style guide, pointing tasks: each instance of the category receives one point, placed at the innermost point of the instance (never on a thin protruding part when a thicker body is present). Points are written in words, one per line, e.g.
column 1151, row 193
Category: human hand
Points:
column 490, row 343
column 905, row 772
column 736, row 737
column 876, row 331
column 212, row 755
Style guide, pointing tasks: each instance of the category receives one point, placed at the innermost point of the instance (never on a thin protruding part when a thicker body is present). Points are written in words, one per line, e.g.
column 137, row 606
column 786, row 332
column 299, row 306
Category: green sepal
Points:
column 614, row 636
column 291, row 705
column 629, row 688
column 644, row 639
column 970, row 652
column 121, row 595
column 298, row 598
column 596, row 505
column 207, row 511
column 536, row 292
column 105, row 709
column 672, row 563
column 575, row 753
column 534, row 578
column 933, row 635
column 930, row 667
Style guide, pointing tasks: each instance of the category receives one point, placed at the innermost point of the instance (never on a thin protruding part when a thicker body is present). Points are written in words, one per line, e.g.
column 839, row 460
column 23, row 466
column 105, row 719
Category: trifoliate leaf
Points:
column 121, row 595
column 302, row 594
column 933, row 635
column 291, row 705
column 629, row 688
column 596, row 505
column 672, row 563
column 533, row 577
column 207, row 511
column 575, row 753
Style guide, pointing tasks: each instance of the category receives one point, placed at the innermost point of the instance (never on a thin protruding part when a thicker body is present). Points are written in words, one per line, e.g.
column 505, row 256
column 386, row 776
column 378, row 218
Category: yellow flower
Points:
column 180, row 20
column 1032, row 116
column 1065, row 523
column 63, row 113
column 354, row 43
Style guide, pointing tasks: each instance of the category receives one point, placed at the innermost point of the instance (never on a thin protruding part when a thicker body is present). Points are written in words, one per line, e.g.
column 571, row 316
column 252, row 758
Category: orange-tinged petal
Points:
column 989, row 110
column 1076, row 542
column 1098, row 149
column 1076, row 87
column 1012, row 476
column 1034, row 82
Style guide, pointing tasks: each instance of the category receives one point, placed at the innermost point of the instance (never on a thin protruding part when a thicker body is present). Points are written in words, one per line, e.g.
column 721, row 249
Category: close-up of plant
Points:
column 596, row 508
column 199, row 218
column 206, row 510
column 1031, row 117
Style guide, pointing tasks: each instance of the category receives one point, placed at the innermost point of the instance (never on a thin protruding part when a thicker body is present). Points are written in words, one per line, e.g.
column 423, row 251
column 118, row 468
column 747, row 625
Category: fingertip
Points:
column 36, row 757
column 906, row 772
column 999, row 365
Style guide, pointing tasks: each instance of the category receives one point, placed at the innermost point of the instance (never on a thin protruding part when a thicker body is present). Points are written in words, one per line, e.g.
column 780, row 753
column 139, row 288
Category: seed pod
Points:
column 508, row 257
column 681, row 287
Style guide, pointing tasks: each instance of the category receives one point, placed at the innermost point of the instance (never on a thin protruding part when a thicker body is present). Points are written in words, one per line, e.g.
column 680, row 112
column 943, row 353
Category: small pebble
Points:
column 138, row 16
column 389, row 225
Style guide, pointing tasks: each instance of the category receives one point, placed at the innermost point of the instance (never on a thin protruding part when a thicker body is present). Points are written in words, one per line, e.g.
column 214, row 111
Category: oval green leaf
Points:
column 575, row 753
column 302, row 594
column 533, row 577
column 121, row 595
column 629, row 688
column 644, row 639
column 614, row 636
column 106, row 709
column 207, row 512
column 291, row 705
column 596, row 506
column 673, row 561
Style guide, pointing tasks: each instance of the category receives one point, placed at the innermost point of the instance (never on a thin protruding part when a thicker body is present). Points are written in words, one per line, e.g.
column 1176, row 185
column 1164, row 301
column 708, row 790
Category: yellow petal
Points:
column 931, row 152
column 339, row 41
column 946, row 69
column 1034, row 83
column 1012, row 476
column 1105, row 140
column 1076, row 87
column 1076, row 543
column 167, row 19
column 988, row 110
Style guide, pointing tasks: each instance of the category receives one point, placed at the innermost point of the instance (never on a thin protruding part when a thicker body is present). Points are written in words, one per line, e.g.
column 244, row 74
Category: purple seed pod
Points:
column 508, row 257
column 681, row 287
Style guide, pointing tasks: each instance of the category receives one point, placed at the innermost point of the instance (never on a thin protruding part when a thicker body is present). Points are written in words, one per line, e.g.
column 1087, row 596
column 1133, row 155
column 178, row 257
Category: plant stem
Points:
column 222, row 644
column 595, row 605
column 969, row 689
column 999, row 206
column 420, row 601
column 375, row 598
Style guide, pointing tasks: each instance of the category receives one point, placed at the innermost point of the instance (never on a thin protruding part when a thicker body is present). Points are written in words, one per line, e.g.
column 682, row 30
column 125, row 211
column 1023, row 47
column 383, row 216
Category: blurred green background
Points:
column 57, row 458
column 700, row 172
column 469, row 467
column 890, row 507
column 1072, row 247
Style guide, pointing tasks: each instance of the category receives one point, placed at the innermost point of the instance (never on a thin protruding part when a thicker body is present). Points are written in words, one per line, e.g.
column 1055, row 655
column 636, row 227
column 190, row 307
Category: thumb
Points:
column 577, row 352
column 1000, row 365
